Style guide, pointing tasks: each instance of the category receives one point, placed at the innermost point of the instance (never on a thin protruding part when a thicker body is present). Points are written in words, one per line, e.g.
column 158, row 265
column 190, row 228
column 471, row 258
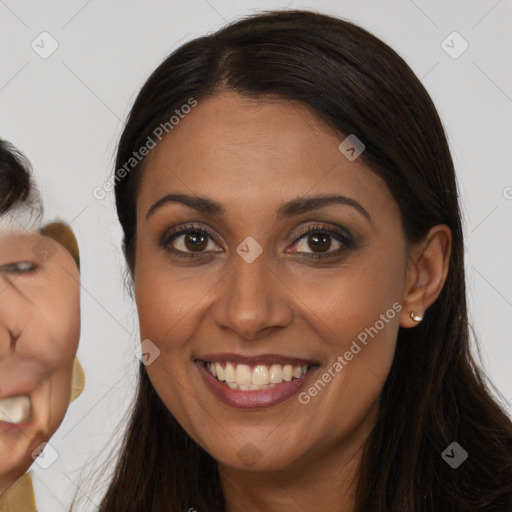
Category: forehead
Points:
column 233, row 147
column 19, row 239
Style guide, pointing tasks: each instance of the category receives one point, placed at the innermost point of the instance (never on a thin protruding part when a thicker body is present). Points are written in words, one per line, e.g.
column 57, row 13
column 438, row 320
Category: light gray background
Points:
column 66, row 113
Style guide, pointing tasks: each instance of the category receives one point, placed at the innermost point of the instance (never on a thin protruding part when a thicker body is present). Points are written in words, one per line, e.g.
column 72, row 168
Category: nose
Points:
column 252, row 300
column 14, row 314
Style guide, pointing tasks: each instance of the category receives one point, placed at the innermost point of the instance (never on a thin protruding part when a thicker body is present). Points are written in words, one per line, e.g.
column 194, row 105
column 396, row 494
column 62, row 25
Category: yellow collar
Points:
column 20, row 497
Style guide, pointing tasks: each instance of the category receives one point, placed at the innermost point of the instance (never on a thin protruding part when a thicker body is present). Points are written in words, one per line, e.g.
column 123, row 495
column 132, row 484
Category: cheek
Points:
column 65, row 331
column 170, row 311
column 53, row 335
column 60, row 395
column 169, row 299
column 342, row 302
column 59, row 315
column 355, row 311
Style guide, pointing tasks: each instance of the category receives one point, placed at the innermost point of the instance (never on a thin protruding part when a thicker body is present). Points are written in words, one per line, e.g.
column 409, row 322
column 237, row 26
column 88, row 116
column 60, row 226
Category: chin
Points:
column 256, row 456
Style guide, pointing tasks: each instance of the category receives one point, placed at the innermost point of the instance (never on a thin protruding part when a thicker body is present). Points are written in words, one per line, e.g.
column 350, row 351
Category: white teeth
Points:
column 276, row 374
column 255, row 386
column 243, row 374
column 240, row 376
column 229, row 373
column 15, row 409
column 249, row 387
column 260, row 375
column 220, row 371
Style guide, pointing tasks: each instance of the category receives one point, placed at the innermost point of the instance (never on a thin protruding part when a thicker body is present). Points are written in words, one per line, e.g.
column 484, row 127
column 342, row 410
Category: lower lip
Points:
column 14, row 427
column 253, row 399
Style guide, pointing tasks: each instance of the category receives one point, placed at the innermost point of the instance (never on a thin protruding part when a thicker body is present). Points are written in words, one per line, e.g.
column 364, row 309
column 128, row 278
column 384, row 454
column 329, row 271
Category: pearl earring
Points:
column 415, row 317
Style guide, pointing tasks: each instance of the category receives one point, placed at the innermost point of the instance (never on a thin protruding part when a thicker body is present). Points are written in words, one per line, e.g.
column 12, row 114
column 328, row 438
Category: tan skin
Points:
column 251, row 156
column 40, row 306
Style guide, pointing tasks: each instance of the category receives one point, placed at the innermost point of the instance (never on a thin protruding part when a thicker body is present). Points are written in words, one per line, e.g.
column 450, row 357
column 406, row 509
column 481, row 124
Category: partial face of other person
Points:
column 242, row 275
column 39, row 333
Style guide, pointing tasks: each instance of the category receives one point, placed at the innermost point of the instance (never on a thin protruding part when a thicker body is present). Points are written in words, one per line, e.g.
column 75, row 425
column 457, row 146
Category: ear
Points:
column 63, row 234
column 78, row 380
column 427, row 269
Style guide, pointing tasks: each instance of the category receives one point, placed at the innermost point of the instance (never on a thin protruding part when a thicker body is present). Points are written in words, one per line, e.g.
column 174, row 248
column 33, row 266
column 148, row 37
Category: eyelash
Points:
column 344, row 239
column 17, row 267
column 340, row 236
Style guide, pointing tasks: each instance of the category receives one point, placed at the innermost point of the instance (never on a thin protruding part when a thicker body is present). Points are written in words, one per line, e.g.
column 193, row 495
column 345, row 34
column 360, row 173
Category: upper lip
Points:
column 12, row 394
column 255, row 359
column 11, row 389
column 20, row 377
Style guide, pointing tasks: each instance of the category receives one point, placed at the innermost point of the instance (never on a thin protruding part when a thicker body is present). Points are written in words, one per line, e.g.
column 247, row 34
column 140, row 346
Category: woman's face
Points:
column 39, row 333
column 249, row 290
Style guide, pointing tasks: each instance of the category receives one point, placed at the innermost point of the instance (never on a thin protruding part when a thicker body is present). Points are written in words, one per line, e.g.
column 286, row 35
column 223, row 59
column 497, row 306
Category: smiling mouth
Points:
column 243, row 377
column 16, row 409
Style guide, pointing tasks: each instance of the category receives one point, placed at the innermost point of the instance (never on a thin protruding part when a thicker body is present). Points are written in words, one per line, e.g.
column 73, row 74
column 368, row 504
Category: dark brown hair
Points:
column 16, row 186
column 15, row 172
column 434, row 394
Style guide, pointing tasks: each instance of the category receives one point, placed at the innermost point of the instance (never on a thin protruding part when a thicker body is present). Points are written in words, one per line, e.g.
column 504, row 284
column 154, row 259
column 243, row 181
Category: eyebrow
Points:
column 291, row 208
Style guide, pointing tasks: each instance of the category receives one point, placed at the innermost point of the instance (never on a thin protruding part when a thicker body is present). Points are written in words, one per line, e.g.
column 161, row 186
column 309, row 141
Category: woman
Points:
column 292, row 228
column 39, row 330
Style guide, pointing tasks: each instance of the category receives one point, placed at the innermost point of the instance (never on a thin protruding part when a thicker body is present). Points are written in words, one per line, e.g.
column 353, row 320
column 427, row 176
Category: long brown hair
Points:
column 434, row 394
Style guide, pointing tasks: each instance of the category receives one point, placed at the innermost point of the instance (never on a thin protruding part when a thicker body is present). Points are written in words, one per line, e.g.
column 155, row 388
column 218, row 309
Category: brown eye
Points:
column 319, row 241
column 189, row 241
column 196, row 241
column 322, row 242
